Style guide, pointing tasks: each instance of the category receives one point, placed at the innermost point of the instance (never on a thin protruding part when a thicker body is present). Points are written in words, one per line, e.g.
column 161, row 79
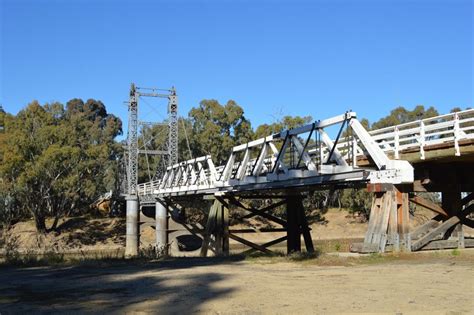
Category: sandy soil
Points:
column 431, row 284
column 77, row 233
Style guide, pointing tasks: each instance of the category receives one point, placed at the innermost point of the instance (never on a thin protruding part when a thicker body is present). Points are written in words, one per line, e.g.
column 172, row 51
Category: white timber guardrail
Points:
column 419, row 134
column 447, row 129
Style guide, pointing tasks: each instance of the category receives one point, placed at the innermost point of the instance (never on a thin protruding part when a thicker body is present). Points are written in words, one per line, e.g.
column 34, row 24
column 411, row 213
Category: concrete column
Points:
column 131, row 246
column 161, row 216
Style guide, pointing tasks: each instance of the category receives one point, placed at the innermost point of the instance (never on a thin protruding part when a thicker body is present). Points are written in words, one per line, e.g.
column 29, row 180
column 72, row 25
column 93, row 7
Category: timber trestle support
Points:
column 445, row 230
column 217, row 232
column 389, row 222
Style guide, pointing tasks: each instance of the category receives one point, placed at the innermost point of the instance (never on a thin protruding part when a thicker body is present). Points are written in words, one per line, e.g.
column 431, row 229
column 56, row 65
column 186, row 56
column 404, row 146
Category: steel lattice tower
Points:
column 132, row 142
column 171, row 152
column 173, row 127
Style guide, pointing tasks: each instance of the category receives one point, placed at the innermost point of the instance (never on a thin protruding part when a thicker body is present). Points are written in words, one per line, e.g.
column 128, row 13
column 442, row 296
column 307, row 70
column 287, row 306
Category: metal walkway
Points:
column 306, row 157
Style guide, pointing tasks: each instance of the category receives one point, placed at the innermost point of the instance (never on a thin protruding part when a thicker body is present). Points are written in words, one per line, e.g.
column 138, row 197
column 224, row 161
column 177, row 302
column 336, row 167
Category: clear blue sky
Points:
column 316, row 58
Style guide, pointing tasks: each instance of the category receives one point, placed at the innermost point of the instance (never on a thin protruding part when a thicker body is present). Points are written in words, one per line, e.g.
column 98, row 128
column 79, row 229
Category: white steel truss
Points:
column 307, row 156
column 304, row 156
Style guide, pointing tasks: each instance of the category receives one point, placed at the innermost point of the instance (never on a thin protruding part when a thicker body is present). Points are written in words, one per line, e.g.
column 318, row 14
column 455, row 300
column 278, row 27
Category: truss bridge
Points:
column 393, row 163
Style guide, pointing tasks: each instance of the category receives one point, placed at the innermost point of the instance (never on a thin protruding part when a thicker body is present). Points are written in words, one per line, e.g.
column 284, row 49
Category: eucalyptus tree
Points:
column 217, row 128
column 56, row 160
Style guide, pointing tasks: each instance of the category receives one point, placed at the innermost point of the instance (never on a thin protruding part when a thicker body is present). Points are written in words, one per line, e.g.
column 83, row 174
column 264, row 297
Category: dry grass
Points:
column 334, row 259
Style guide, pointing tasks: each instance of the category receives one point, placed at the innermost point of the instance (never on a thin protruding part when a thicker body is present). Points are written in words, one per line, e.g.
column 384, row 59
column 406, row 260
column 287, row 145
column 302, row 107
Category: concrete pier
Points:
column 161, row 215
column 131, row 245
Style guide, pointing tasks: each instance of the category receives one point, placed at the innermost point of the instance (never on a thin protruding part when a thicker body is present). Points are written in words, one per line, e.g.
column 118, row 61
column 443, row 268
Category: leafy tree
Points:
column 357, row 201
column 55, row 161
column 287, row 122
column 155, row 137
column 402, row 115
column 217, row 128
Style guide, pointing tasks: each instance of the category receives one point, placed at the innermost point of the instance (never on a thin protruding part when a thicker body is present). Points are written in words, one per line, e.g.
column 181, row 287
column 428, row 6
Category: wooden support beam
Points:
column 388, row 221
column 468, row 222
column 467, row 199
column 211, row 222
column 393, row 237
column 441, row 229
column 255, row 230
column 424, row 228
column 404, row 223
column 293, row 243
column 262, row 196
column 377, row 188
column 250, row 244
column 380, row 236
column 218, row 229
column 364, row 248
column 229, row 199
column 225, row 231
column 373, row 217
column 452, row 202
column 256, row 211
column 447, row 244
column 268, row 244
column 428, row 205
column 376, row 236
column 217, row 226
column 303, row 223
column 450, row 229
column 270, row 207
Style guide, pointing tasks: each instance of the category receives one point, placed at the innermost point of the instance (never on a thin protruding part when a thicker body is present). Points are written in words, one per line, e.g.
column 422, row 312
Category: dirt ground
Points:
column 420, row 284
column 73, row 233
column 433, row 283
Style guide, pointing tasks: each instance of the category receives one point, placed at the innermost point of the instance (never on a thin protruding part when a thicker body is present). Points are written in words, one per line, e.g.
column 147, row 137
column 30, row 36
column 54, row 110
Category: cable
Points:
column 153, row 108
column 187, row 140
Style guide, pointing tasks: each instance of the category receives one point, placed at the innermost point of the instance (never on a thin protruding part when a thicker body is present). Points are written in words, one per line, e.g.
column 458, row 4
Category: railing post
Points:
column 422, row 140
column 397, row 143
column 457, row 152
column 354, row 152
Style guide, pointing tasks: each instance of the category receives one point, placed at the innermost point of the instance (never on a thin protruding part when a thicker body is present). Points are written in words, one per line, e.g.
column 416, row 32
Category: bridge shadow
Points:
column 171, row 286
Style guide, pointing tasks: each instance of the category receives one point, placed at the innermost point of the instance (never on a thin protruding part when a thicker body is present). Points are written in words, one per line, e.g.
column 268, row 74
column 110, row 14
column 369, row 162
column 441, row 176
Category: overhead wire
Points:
column 187, row 139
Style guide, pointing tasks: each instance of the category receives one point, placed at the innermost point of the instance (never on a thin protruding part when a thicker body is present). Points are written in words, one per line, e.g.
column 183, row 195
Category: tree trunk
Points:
column 40, row 223
column 55, row 223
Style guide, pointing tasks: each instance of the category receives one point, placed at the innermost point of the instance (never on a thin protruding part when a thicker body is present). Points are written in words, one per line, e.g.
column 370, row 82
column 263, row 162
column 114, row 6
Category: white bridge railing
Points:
column 417, row 135
column 309, row 155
